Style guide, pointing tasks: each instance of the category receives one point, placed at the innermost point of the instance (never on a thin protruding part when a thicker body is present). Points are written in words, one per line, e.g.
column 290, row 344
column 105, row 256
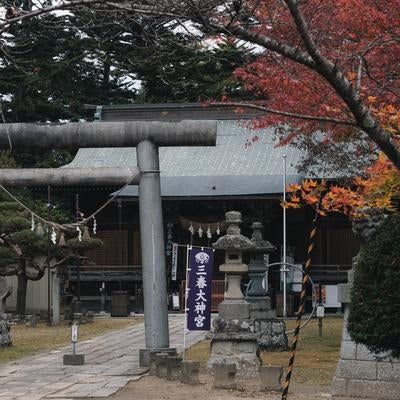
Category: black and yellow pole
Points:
column 301, row 309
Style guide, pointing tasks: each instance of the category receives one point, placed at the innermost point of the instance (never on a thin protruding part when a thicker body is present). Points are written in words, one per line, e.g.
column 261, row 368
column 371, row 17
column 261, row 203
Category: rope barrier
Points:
column 301, row 309
column 302, row 304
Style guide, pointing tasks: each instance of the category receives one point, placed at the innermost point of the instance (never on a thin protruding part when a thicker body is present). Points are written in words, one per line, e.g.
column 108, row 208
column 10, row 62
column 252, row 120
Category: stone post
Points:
column 56, row 298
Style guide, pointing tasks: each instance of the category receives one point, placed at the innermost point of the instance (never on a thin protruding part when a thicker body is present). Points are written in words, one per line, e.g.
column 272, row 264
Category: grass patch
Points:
column 27, row 340
column 316, row 357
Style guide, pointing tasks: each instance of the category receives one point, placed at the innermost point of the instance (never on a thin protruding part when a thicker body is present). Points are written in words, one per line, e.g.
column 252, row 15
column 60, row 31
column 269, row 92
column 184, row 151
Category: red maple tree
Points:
column 330, row 65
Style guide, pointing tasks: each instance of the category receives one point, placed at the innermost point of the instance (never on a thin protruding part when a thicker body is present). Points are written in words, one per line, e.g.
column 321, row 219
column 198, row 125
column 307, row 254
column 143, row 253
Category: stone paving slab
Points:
column 111, row 361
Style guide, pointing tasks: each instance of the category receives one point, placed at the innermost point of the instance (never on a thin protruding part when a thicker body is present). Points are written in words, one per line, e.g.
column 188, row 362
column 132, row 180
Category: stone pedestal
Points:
column 260, row 308
column 190, row 372
column 235, row 342
column 74, row 359
column 161, row 365
column 224, row 376
column 144, row 355
column 174, row 368
column 234, row 309
column 270, row 378
column 238, row 341
column 271, row 334
column 359, row 372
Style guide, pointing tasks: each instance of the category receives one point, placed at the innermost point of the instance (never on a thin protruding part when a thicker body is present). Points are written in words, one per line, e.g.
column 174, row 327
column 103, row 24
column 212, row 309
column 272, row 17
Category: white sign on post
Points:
column 320, row 311
column 74, row 333
column 175, row 301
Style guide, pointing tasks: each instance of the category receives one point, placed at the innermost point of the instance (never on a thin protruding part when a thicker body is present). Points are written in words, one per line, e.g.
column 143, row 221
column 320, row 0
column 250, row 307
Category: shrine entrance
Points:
column 147, row 137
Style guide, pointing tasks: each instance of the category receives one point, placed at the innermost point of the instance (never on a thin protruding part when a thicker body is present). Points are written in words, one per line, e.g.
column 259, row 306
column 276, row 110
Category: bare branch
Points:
column 4, row 26
column 266, row 42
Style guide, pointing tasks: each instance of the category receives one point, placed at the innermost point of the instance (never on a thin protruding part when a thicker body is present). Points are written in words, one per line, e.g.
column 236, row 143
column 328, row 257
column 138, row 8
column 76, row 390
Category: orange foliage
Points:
column 380, row 188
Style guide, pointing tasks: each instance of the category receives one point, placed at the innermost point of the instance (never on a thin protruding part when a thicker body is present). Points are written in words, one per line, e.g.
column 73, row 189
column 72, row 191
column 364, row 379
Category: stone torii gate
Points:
column 146, row 136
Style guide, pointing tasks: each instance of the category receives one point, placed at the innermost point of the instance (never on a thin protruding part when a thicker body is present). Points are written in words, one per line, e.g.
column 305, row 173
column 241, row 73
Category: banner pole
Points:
column 284, row 267
column 186, row 296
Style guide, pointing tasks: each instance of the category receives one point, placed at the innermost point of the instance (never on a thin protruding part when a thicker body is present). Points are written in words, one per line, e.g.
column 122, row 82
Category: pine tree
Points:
column 25, row 249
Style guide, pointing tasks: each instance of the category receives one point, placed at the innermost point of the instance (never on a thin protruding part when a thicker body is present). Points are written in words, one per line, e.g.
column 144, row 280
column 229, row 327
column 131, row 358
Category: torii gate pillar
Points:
column 152, row 246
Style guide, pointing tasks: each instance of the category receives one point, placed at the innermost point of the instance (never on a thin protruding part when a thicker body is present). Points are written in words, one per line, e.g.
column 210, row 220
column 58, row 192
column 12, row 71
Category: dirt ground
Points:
column 314, row 369
column 153, row 388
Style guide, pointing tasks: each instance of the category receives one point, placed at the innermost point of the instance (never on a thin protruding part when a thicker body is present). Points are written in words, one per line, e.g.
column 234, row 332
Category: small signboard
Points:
column 320, row 311
column 74, row 333
column 175, row 301
column 174, row 261
column 297, row 278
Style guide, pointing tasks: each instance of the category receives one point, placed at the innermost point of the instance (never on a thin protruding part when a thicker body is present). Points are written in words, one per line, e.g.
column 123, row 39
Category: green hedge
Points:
column 374, row 318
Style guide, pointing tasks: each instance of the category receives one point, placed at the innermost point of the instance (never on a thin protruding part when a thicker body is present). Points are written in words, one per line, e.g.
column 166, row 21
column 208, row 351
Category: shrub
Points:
column 374, row 318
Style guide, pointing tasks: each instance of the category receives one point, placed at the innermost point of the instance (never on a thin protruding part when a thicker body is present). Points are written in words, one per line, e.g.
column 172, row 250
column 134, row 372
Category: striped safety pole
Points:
column 301, row 309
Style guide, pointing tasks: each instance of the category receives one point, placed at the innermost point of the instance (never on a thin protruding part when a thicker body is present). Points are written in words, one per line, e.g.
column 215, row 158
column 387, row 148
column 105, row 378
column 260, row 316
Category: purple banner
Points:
column 200, row 274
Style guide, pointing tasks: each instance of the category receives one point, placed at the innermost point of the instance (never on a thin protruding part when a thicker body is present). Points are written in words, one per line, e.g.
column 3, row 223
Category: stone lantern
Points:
column 234, row 339
column 234, row 304
column 257, row 293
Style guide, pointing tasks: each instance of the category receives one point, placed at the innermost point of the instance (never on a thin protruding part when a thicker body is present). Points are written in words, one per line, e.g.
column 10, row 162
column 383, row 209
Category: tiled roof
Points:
column 259, row 165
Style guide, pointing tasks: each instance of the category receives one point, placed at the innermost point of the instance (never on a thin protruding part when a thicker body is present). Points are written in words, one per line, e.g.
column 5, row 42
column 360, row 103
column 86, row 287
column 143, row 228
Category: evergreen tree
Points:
column 28, row 253
column 374, row 318
column 25, row 250
column 181, row 70
column 56, row 64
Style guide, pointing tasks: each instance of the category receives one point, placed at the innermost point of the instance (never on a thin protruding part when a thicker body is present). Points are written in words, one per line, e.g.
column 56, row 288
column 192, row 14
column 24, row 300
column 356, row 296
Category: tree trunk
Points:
column 21, row 294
